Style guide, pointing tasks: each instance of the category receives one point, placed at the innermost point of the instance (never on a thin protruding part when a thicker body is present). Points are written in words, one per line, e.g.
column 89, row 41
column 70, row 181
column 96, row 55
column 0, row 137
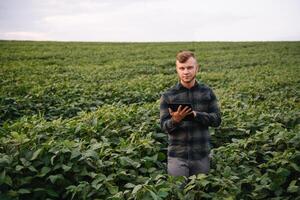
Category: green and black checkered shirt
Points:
column 190, row 139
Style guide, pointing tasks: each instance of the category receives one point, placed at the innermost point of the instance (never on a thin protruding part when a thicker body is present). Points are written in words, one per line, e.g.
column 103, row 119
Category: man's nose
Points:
column 185, row 71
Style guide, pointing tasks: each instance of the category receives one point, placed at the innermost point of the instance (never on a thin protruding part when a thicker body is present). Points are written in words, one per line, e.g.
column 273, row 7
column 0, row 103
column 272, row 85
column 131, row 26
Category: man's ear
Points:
column 176, row 68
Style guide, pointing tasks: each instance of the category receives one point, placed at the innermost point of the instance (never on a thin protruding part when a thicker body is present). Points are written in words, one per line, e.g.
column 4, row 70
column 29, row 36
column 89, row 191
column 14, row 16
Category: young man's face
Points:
column 187, row 71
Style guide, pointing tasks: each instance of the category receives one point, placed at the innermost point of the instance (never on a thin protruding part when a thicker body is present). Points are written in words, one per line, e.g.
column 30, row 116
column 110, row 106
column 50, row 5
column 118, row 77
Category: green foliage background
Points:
column 81, row 120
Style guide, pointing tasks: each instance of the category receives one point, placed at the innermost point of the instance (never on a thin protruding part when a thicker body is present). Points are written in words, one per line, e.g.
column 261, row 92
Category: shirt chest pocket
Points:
column 201, row 103
column 201, row 107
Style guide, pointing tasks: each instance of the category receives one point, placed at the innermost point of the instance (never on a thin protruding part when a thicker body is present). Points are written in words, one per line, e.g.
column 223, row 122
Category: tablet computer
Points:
column 174, row 107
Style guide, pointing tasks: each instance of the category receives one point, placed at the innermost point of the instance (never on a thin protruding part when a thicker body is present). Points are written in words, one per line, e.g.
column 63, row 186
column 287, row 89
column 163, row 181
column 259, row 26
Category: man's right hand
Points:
column 181, row 113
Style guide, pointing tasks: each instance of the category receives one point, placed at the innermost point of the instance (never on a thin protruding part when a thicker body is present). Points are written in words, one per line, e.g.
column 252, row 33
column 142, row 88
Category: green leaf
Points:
column 2, row 176
column 12, row 193
column 161, row 156
column 8, row 180
column 25, row 162
column 201, row 176
column 295, row 166
column 293, row 188
column 66, row 168
column 44, row 171
column 159, row 176
column 52, row 159
column 227, row 171
column 75, row 153
column 126, row 161
column 54, row 178
column 15, row 134
column 91, row 154
column 49, row 191
column 163, row 192
column 189, row 187
column 129, row 185
column 5, row 160
column 283, row 172
column 111, row 188
column 97, row 185
column 152, row 169
column 78, row 128
column 136, row 189
column 19, row 167
column 117, row 196
column 154, row 196
column 36, row 154
column 23, row 191
column 94, row 121
column 52, row 193
column 204, row 182
column 32, row 168
column 98, row 181
column 96, row 146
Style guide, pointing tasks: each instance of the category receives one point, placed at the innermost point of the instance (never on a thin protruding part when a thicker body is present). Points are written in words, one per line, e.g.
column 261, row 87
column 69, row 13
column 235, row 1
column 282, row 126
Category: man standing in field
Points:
column 187, row 127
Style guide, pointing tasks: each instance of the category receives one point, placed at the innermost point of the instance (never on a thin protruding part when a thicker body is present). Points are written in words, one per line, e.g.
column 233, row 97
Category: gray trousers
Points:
column 184, row 167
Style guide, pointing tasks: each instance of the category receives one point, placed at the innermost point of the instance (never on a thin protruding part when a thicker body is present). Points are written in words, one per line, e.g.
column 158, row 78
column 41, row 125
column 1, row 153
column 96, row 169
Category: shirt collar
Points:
column 179, row 86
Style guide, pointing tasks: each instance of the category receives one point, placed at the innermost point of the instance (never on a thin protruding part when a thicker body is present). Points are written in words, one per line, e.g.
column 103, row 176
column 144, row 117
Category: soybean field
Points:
column 80, row 120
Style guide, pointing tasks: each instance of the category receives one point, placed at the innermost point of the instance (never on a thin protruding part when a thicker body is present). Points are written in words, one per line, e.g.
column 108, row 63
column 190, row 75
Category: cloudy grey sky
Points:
column 150, row 20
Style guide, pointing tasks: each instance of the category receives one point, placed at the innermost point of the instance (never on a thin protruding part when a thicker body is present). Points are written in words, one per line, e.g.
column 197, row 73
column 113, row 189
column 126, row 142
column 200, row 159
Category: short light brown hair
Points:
column 183, row 56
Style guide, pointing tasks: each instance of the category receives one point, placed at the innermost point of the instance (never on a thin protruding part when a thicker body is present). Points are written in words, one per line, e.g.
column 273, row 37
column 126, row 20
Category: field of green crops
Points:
column 81, row 120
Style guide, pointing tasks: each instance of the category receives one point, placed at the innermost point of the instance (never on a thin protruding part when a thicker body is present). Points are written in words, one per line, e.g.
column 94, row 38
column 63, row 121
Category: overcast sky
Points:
column 150, row 20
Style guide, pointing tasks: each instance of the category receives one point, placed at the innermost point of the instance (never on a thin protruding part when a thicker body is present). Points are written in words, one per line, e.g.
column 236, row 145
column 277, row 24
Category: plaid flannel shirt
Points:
column 190, row 139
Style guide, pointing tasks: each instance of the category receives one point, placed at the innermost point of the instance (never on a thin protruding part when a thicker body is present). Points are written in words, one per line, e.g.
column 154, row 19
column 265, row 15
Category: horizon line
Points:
column 174, row 41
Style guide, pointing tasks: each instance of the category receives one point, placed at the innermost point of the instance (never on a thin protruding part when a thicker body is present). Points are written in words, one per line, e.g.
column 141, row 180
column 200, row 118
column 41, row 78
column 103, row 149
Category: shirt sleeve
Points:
column 213, row 116
column 166, row 122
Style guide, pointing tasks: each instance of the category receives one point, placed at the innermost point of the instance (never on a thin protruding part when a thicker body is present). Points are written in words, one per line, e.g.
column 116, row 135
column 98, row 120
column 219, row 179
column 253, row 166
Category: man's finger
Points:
column 190, row 111
column 170, row 111
column 187, row 112
column 182, row 111
column 179, row 108
column 185, row 109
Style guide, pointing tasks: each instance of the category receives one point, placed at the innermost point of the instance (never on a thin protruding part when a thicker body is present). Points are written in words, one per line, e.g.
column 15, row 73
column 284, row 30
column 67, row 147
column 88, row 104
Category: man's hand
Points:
column 181, row 113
